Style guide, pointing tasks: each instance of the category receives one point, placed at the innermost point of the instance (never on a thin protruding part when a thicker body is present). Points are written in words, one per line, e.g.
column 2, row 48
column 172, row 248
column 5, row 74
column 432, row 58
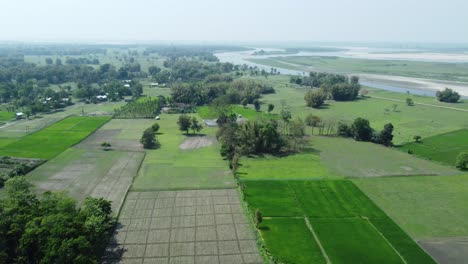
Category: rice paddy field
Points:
column 333, row 220
column 50, row 141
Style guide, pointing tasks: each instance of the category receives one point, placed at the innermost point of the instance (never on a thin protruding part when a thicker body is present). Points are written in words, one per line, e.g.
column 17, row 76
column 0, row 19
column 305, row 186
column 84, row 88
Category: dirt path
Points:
column 197, row 142
column 438, row 106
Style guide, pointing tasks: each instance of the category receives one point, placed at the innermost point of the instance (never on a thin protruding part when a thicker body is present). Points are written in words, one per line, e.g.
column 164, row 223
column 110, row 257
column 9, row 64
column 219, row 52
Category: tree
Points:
column 344, row 91
column 462, row 161
column 385, row 137
column 155, row 127
column 244, row 102
column 409, row 102
column 49, row 61
column 315, row 98
column 106, row 146
column 312, row 121
column 153, row 70
column 448, row 96
column 258, row 217
column 270, row 107
column 361, row 129
column 417, row 138
column 286, row 117
column 184, row 123
column 257, row 105
column 344, row 130
column 195, row 125
column 148, row 139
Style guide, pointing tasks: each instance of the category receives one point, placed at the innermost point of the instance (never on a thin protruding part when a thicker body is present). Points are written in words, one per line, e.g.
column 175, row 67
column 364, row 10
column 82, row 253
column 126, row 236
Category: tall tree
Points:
column 184, row 123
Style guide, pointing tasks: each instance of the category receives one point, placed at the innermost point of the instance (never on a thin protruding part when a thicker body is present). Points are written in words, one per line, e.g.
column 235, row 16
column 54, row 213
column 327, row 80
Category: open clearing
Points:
column 50, row 141
column 351, row 158
column 191, row 226
column 169, row 167
column 447, row 250
column 408, row 121
column 197, row 142
column 335, row 208
column 443, row 148
column 87, row 172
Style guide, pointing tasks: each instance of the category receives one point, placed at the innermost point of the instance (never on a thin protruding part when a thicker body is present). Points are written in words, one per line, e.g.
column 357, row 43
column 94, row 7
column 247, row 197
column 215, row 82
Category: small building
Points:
column 154, row 84
column 101, row 98
column 19, row 115
column 127, row 85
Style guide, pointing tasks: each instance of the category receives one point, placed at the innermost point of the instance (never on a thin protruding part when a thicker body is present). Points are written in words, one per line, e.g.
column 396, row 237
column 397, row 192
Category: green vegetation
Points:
column 424, row 206
column 171, row 167
column 442, row 148
column 50, row 228
column 432, row 70
column 6, row 116
column 349, row 240
column 289, row 240
column 448, row 96
column 143, row 108
column 12, row 167
column 54, row 139
column 207, row 112
column 341, row 216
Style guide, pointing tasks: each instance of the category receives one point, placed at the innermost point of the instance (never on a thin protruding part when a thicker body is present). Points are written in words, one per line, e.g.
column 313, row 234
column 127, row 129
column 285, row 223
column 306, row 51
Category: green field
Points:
column 349, row 226
column 425, row 207
column 408, row 120
column 170, row 167
column 353, row 240
column 6, row 116
column 289, row 239
column 443, row 148
column 305, row 165
column 431, row 70
column 207, row 112
column 50, row 141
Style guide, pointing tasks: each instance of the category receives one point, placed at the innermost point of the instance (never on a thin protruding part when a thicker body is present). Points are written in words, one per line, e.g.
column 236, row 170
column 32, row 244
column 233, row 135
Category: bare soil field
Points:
column 95, row 140
column 447, row 250
column 197, row 142
column 191, row 226
column 85, row 172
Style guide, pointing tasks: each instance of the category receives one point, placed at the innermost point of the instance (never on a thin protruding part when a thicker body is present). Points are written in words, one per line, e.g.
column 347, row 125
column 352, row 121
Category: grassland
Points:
column 408, row 121
column 419, row 69
column 207, row 112
column 341, row 216
column 6, row 116
column 50, row 141
column 289, row 239
column 425, row 207
column 170, row 167
column 443, row 148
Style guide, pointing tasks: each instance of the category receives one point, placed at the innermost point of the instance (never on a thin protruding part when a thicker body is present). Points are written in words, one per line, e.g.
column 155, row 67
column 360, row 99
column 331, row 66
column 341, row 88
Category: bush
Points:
column 462, row 161
column 448, row 96
column 361, row 129
column 148, row 139
column 417, row 138
column 155, row 127
column 345, row 91
column 344, row 130
column 258, row 217
column 315, row 98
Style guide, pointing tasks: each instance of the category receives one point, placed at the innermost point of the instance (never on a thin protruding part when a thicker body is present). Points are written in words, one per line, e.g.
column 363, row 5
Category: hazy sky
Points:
column 235, row 20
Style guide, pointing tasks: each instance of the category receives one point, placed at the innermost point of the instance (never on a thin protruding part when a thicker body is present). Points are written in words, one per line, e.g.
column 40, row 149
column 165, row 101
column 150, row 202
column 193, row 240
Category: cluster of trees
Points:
column 191, row 69
column 149, row 139
column 51, row 229
column 142, row 108
column 448, row 96
column 234, row 92
column 12, row 167
column 462, row 161
column 75, row 61
column 361, row 130
column 331, row 86
column 187, row 123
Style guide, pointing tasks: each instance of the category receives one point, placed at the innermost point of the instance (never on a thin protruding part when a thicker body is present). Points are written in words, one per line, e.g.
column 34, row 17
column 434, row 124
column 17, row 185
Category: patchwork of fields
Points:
column 50, row 141
column 343, row 224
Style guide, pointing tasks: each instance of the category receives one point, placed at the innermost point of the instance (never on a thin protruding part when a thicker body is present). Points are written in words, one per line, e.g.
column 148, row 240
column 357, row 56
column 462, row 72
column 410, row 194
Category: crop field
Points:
column 171, row 167
column 289, row 239
column 87, row 172
column 345, row 223
column 50, row 141
column 6, row 116
column 443, row 148
column 432, row 70
column 190, row 226
column 408, row 121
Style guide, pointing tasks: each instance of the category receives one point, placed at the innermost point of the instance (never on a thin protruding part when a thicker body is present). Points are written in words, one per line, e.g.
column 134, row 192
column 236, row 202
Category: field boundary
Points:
column 322, row 249
column 431, row 105
column 381, row 235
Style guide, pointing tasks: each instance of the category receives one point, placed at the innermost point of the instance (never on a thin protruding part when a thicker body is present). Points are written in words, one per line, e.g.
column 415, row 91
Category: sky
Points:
column 235, row 21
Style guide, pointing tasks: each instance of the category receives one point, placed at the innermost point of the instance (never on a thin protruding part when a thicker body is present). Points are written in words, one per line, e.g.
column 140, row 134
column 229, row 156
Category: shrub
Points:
column 258, row 217
column 155, row 127
column 417, row 138
column 344, row 130
column 315, row 98
column 345, row 91
column 448, row 96
column 462, row 161
column 148, row 139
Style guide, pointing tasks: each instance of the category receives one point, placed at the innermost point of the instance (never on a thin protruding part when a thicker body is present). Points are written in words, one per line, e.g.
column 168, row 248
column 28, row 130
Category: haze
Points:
column 234, row 21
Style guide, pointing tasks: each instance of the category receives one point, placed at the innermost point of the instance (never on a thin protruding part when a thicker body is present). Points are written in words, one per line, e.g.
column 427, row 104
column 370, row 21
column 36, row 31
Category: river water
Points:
column 240, row 57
